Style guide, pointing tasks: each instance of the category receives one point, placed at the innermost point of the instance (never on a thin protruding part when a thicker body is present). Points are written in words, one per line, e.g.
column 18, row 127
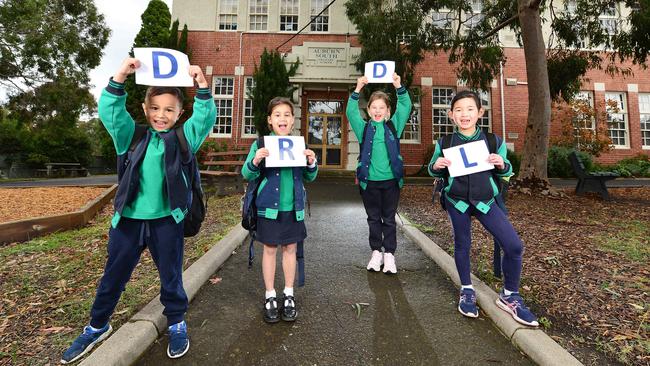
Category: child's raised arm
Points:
column 204, row 112
column 403, row 108
column 352, row 109
column 127, row 68
column 197, row 75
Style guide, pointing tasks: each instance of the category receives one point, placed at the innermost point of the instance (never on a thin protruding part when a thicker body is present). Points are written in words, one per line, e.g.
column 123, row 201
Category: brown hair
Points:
column 276, row 102
column 154, row 91
column 379, row 95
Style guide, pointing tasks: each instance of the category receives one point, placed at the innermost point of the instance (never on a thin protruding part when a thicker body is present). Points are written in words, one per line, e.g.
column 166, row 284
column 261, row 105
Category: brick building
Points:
column 227, row 37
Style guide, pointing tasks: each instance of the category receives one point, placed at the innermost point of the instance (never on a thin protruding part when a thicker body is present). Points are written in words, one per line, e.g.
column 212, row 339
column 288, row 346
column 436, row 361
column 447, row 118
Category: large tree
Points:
column 467, row 30
column 270, row 79
column 154, row 32
column 40, row 39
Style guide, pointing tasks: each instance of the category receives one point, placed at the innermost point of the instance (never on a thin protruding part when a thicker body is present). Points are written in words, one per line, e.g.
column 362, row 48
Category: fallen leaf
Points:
column 215, row 280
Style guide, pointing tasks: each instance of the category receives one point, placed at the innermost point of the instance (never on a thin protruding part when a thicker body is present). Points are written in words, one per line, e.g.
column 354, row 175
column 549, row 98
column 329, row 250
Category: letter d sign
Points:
column 156, row 65
column 379, row 70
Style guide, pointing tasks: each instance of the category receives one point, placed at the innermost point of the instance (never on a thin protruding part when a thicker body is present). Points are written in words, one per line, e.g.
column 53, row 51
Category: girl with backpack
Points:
column 474, row 195
column 280, row 206
column 380, row 168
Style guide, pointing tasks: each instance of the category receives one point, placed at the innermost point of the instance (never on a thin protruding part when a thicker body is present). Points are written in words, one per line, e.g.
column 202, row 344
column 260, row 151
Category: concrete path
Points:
column 410, row 319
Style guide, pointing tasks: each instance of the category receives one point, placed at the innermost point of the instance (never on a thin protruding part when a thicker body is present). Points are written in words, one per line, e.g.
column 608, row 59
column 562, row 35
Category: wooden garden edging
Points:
column 27, row 229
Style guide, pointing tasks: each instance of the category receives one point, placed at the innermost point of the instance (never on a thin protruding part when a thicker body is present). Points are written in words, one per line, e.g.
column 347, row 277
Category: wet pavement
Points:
column 411, row 318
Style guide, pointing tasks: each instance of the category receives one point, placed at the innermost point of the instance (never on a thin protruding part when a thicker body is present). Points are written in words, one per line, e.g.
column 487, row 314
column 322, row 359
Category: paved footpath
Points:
column 411, row 318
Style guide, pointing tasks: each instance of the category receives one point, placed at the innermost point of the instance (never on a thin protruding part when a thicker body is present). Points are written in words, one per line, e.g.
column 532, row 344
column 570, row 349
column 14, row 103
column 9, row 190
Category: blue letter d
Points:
column 375, row 70
column 156, row 65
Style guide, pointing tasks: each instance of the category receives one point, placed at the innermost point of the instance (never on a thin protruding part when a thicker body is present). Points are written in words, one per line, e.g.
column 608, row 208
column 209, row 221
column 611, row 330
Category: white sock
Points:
column 93, row 329
column 288, row 291
column 507, row 292
column 464, row 287
column 268, row 294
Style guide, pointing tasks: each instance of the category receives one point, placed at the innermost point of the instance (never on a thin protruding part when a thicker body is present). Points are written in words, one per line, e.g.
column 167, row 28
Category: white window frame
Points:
column 413, row 128
column 442, row 20
column 223, row 101
column 485, row 122
column 258, row 18
column 621, row 101
column 228, row 14
column 440, row 105
column 247, row 110
column 286, row 8
column 610, row 21
column 571, row 7
column 315, row 7
column 644, row 116
column 475, row 17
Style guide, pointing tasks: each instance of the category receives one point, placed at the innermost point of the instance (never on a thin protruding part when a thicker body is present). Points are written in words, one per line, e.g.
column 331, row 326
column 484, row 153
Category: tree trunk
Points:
column 535, row 153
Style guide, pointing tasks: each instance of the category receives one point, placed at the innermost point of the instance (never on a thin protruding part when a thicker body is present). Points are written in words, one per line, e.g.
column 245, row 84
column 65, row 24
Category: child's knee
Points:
column 270, row 249
column 289, row 249
column 513, row 248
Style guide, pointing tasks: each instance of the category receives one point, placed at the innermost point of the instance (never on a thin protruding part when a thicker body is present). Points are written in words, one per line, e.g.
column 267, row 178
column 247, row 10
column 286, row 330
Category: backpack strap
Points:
column 182, row 140
column 391, row 127
column 138, row 134
column 492, row 142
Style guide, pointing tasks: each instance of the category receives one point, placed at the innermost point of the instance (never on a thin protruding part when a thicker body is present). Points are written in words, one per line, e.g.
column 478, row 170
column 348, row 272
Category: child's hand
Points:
column 441, row 163
column 311, row 156
column 197, row 74
column 127, row 68
column 397, row 81
column 361, row 82
column 497, row 160
column 260, row 154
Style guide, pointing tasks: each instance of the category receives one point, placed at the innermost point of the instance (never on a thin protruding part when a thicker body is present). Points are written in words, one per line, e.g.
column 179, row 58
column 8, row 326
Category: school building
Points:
column 227, row 37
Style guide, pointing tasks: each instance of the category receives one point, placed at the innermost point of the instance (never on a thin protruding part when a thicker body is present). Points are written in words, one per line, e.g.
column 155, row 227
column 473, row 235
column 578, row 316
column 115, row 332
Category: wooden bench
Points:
column 65, row 170
column 223, row 169
column 590, row 181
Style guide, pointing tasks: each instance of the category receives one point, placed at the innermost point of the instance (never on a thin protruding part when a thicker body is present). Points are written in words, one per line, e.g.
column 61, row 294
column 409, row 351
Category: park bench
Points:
column 223, row 170
column 65, row 170
column 590, row 181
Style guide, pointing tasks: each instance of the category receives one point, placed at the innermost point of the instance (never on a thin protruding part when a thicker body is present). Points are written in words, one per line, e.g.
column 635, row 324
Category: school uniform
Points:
column 380, row 170
column 475, row 195
column 280, row 200
column 150, row 204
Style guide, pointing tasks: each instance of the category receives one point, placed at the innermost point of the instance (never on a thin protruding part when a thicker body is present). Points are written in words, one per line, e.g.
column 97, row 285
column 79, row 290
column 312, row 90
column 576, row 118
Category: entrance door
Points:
column 325, row 131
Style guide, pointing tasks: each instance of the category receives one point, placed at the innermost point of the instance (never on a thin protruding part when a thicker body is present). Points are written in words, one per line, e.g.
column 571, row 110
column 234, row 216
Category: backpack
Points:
column 197, row 207
column 249, row 220
column 441, row 183
column 390, row 125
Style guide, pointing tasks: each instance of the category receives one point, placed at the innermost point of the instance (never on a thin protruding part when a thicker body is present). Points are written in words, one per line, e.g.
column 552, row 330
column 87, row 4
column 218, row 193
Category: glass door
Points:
column 325, row 131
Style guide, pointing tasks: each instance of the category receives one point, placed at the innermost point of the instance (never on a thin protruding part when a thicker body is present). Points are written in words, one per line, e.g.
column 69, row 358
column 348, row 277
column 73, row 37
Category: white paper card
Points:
column 380, row 71
column 285, row 151
column 468, row 158
column 162, row 67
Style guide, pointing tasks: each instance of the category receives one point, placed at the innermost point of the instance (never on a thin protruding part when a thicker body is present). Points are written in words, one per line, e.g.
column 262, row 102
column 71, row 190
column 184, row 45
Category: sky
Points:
column 123, row 18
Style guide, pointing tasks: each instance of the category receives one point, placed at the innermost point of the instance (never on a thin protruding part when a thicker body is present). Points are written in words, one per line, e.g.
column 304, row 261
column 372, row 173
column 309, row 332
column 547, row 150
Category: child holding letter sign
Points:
column 281, row 211
column 474, row 195
column 380, row 169
column 151, row 202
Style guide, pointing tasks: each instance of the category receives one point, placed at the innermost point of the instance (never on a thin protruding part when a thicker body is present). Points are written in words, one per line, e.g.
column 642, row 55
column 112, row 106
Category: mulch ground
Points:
column 586, row 266
column 25, row 203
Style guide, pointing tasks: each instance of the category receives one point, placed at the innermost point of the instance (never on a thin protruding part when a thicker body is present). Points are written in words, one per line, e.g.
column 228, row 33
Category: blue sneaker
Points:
column 85, row 342
column 514, row 305
column 179, row 344
column 467, row 303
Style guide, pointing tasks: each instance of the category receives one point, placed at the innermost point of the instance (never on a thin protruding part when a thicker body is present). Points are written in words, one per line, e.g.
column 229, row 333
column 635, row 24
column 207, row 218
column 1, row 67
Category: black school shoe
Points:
column 289, row 313
column 271, row 314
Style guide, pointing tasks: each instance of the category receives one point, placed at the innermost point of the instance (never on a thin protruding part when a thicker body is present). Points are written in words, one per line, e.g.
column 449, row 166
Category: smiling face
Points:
column 162, row 111
column 281, row 119
column 378, row 110
column 465, row 113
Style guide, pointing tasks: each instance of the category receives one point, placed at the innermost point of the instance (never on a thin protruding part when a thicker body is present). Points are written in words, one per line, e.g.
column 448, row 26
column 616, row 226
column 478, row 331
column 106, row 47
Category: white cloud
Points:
column 123, row 18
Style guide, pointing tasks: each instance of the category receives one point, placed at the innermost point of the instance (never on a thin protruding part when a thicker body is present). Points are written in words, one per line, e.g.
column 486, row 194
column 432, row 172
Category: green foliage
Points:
column 42, row 39
column 101, row 142
column 14, row 138
column 565, row 74
column 173, row 36
column 271, row 79
column 54, row 143
column 638, row 167
column 154, row 32
column 559, row 165
column 515, row 161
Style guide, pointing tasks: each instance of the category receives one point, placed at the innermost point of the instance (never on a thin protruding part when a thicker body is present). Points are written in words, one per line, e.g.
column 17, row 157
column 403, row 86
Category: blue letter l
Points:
column 467, row 163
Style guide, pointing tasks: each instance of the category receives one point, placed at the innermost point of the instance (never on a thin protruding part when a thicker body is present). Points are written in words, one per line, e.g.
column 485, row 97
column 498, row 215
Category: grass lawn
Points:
column 48, row 284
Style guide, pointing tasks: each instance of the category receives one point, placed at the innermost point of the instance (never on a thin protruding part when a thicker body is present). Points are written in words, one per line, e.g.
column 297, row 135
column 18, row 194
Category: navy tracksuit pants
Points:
column 164, row 238
column 497, row 224
column 380, row 199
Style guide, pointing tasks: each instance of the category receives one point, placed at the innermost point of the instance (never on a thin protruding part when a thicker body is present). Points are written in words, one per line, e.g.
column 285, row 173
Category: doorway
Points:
column 326, row 131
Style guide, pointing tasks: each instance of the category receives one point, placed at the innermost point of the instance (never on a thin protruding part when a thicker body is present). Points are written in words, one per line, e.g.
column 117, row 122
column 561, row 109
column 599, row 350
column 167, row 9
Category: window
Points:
column 228, row 14
column 581, row 120
column 319, row 23
column 248, row 123
column 442, row 20
column 484, row 122
column 288, row 15
column 223, row 98
column 475, row 17
column 644, row 111
column 441, row 102
column 616, row 108
column 258, row 11
column 609, row 20
column 411, row 133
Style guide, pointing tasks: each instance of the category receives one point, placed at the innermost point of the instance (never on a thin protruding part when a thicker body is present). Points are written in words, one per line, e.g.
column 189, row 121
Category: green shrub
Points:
column 559, row 165
column 638, row 166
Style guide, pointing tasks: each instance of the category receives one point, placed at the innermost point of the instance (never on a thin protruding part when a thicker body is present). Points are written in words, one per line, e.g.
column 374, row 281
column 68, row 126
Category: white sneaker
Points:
column 389, row 263
column 375, row 261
